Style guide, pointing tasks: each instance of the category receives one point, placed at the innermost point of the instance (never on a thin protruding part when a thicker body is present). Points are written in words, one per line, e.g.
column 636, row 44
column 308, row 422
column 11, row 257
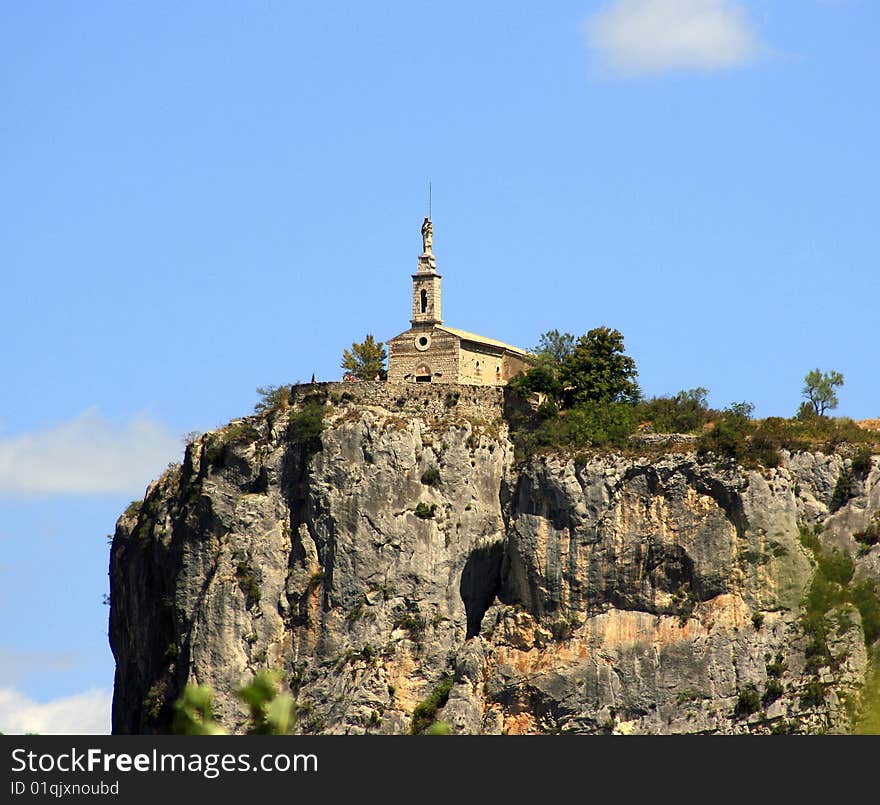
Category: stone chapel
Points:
column 431, row 352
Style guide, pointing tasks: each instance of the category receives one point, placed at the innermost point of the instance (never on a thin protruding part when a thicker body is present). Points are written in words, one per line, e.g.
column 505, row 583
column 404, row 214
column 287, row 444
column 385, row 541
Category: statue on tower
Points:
column 427, row 236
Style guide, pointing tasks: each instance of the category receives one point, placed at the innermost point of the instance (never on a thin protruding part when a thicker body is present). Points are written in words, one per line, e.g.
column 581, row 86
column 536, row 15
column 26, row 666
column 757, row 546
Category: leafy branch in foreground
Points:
column 273, row 712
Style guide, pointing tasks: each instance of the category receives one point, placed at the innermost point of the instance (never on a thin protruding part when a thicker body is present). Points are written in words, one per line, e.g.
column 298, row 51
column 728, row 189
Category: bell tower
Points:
column 426, row 283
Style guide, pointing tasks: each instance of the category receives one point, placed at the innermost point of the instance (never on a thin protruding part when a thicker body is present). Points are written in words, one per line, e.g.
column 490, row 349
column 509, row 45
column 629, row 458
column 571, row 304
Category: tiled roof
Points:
column 479, row 339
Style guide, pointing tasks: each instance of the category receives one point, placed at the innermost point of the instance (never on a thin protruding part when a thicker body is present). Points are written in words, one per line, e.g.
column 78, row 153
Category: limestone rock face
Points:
column 403, row 547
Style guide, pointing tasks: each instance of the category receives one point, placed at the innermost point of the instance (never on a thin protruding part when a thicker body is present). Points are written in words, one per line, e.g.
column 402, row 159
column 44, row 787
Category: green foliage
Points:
column 835, row 566
column 425, row 511
column 689, row 695
column 412, row 622
column 555, row 346
column 814, row 694
column 272, row 712
column 776, row 668
column 426, row 710
column 843, row 491
column 217, row 444
column 431, row 477
column 593, row 369
column 744, row 410
column 729, row 435
column 864, row 596
column 758, row 619
column 819, row 390
column 861, row 463
column 597, row 424
column 305, row 426
column 832, row 587
column 686, row 412
column 765, row 442
column 366, row 360
column 598, row 370
column 543, row 378
column 248, row 579
column 439, row 728
column 810, row 538
column 825, row 432
column 193, row 712
column 772, row 691
column 133, row 509
column 273, row 399
column 871, row 535
column 869, row 710
column 564, row 626
column 749, row 701
column 155, row 699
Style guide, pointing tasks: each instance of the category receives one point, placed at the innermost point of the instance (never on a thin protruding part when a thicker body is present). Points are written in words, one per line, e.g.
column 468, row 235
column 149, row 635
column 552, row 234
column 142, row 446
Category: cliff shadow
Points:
column 480, row 584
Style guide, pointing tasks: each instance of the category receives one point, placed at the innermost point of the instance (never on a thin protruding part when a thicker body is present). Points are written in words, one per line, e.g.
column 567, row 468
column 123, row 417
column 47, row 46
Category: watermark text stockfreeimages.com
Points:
column 209, row 765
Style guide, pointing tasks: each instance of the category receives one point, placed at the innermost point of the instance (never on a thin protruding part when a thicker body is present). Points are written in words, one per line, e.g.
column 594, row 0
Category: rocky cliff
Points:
column 380, row 546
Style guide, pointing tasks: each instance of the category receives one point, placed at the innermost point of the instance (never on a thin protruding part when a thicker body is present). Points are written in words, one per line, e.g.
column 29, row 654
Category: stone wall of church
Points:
column 484, row 366
column 408, row 356
column 513, row 366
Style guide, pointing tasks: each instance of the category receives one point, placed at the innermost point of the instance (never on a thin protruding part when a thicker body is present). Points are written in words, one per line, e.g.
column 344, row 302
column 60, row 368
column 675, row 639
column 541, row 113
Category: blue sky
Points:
column 200, row 198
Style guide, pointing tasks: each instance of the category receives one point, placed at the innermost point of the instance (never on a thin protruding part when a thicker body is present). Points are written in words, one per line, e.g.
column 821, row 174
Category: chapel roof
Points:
column 479, row 339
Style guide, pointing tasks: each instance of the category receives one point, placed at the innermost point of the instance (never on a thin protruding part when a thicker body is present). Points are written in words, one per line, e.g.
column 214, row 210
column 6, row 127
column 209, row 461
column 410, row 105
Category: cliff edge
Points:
column 381, row 547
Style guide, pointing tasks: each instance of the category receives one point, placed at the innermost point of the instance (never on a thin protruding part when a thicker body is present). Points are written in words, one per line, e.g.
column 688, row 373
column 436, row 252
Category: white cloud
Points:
column 85, row 713
column 88, row 454
column 654, row 36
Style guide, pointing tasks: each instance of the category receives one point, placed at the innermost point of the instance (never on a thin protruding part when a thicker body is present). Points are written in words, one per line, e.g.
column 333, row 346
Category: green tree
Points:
column 819, row 390
column 598, row 370
column 366, row 360
column 554, row 346
column 543, row 378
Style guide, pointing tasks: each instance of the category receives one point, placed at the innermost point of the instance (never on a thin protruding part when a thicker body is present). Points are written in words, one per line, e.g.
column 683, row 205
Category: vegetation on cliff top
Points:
column 588, row 396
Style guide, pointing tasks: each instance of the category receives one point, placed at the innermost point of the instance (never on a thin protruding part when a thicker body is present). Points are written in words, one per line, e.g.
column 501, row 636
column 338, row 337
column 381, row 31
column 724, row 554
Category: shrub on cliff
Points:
column 426, row 710
column 686, row 412
column 273, row 399
column 306, row 424
column 217, row 444
column 729, row 435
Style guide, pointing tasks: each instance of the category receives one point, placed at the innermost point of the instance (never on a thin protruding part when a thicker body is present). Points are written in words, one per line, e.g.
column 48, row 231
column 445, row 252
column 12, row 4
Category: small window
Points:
column 424, row 301
column 423, row 342
column 478, row 364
